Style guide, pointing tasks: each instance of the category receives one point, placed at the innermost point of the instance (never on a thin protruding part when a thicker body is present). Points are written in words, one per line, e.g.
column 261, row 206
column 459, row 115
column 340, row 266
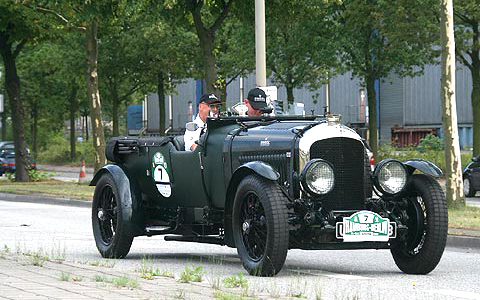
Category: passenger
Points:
column 209, row 105
column 256, row 101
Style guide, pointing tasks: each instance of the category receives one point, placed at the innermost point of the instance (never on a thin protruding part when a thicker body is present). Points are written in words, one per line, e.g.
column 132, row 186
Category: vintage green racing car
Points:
column 268, row 184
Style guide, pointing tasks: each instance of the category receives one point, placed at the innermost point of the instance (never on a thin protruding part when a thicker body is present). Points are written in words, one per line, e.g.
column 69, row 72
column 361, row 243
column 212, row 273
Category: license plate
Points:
column 366, row 226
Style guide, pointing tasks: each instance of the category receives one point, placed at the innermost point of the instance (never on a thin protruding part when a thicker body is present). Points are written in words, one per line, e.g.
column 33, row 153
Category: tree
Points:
column 165, row 48
column 467, row 38
column 206, row 17
column 379, row 38
column 84, row 17
column 453, row 166
column 120, row 66
column 300, row 50
column 18, row 26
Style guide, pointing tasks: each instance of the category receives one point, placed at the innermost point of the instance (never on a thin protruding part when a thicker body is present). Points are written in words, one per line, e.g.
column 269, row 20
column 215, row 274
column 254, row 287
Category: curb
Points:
column 456, row 241
column 44, row 200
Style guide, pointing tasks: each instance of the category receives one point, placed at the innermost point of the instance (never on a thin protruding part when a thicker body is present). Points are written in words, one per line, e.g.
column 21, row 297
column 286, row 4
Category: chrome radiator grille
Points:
column 348, row 159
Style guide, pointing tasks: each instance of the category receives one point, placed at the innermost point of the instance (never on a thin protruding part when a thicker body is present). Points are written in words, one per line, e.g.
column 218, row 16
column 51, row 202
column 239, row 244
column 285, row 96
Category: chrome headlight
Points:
column 390, row 176
column 318, row 177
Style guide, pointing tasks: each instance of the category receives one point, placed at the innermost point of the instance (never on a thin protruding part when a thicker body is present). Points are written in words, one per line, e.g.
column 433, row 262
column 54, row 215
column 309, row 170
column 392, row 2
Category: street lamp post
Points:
column 260, row 49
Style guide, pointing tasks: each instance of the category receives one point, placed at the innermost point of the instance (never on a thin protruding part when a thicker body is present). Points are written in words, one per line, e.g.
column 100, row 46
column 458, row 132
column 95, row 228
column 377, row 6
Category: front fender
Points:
column 130, row 198
column 423, row 166
column 261, row 168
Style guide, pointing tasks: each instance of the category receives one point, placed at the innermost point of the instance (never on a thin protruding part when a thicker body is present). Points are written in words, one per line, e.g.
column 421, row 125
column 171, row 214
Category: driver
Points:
column 255, row 102
column 209, row 106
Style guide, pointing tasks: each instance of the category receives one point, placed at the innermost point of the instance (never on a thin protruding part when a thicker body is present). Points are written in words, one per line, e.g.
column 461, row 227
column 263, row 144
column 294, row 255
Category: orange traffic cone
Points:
column 83, row 174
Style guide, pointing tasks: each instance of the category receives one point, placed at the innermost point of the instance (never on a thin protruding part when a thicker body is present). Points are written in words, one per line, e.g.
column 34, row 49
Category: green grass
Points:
column 100, row 278
column 236, row 281
column 49, row 188
column 191, row 275
column 64, row 276
column 466, row 217
column 125, row 282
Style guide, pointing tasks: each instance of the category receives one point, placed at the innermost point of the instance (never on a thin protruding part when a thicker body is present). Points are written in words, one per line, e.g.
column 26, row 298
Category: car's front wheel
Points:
column 468, row 188
column 260, row 225
column 420, row 250
column 108, row 227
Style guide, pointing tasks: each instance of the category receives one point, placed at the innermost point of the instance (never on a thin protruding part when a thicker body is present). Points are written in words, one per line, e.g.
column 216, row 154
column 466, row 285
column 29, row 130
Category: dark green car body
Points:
column 248, row 176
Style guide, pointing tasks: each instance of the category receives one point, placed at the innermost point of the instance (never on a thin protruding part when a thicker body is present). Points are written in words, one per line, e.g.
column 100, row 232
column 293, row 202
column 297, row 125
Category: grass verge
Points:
column 49, row 188
column 466, row 217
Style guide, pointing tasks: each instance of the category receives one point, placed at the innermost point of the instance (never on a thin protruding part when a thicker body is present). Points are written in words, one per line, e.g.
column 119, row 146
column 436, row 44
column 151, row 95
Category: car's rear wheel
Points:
column 260, row 225
column 108, row 227
column 468, row 188
column 420, row 250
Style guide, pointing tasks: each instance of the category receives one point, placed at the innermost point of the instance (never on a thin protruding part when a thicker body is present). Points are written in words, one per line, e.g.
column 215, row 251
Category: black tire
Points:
column 419, row 252
column 468, row 188
column 260, row 225
column 108, row 226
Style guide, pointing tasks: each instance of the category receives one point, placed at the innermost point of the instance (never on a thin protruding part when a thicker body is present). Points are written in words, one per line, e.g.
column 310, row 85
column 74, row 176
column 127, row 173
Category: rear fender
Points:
column 423, row 166
column 130, row 198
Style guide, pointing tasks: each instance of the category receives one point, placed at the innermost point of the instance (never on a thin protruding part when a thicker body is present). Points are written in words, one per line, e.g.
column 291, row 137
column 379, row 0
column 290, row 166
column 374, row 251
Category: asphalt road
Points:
column 64, row 231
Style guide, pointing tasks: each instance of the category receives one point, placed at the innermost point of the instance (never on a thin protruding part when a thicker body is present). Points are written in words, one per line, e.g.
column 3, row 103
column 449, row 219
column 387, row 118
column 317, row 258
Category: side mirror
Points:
column 191, row 126
column 476, row 158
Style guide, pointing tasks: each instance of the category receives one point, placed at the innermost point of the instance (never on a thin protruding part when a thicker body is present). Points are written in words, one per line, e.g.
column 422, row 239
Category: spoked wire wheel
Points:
column 107, row 214
column 111, row 236
column 419, row 251
column 254, row 226
column 260, row 225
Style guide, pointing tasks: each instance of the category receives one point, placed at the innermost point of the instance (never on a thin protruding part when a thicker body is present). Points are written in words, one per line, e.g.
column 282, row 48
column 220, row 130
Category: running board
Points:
column 196, row 239
column 158, row 230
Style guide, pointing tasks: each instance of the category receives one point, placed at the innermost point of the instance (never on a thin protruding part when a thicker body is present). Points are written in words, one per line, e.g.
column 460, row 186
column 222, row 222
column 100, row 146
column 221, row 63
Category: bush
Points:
column 430, row 142
column 57, row 151
column 430, row 153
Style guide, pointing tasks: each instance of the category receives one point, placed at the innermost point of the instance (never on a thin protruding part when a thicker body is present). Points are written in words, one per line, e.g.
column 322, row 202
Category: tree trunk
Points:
column 454, row 187
column 115, row 104
column 476, row 110
column 475, row 71
column 35, row 128
column 98, row 137
column 209, row 62
column 4, row 123
column 290, row 97
column 161, row 101
column 12, row 85
column 372, row 114
column 72, row 110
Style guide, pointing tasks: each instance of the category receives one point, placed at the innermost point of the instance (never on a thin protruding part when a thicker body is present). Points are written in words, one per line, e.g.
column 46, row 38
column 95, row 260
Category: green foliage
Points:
column 430, row 143
column 125, row 282
column 191, row 275
column 301, row 50
column 403, row 154
column 236, row 281
column 57, row 151
column 64, row 276
column 36, row 175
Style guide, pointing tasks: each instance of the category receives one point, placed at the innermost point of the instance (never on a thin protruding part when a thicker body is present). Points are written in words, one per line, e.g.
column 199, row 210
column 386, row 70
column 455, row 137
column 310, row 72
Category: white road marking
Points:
column 331, row 275
column 456, row 294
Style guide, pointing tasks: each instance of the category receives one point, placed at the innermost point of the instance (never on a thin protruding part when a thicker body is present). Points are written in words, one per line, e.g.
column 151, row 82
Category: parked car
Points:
column 7, row 147
column 266, row 185
column 7, row 162
column 471, row 177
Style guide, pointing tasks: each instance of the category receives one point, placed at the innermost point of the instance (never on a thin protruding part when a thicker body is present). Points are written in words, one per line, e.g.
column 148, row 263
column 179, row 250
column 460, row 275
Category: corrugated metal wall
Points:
column 344, row 94
column 423, row 105
column 407, row 102
column 391, row 106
